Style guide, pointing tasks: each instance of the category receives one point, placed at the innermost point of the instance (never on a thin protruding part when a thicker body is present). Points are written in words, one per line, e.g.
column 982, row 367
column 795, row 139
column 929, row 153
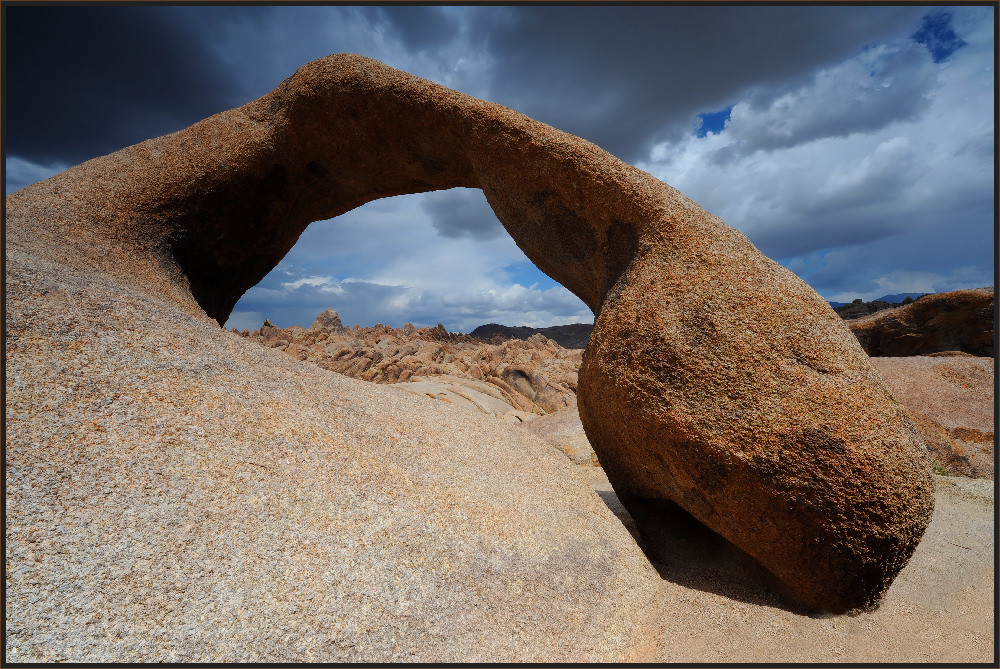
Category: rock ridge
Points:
column 959, row 320
column 573, row 335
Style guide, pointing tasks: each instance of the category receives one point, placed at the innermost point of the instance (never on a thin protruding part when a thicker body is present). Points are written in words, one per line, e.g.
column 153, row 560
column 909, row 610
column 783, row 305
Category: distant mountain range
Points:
column 894, row 298
column 577, row 335
column 859, row 308
column 568, row 336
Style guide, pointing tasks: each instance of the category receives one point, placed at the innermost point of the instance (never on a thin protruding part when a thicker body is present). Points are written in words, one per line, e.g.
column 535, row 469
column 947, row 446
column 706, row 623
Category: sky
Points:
column 852, row 144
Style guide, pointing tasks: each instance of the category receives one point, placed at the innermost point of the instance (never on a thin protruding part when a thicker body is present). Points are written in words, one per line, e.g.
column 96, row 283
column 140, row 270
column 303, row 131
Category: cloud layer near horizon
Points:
column 858, row 149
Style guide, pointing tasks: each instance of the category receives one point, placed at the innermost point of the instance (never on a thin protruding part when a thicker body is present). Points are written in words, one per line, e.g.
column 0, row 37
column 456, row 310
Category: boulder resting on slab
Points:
column 714, row 379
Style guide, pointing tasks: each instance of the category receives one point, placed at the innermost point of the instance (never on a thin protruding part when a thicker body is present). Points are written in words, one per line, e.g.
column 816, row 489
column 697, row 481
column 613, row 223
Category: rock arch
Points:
column 715, row 379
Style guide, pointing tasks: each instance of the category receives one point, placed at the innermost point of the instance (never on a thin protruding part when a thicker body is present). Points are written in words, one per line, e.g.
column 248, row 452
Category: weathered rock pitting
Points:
column 714, row 378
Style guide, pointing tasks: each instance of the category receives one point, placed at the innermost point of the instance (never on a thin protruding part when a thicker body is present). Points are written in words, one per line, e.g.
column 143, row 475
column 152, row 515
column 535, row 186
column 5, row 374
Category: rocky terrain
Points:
column 531, row 377
column 951, row 398
column 949, row 395
column 960, row 320
column 176, row 492
column 859, row 307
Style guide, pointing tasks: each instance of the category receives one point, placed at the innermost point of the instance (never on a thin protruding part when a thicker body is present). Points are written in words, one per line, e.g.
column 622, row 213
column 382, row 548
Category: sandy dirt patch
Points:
column 717, row 606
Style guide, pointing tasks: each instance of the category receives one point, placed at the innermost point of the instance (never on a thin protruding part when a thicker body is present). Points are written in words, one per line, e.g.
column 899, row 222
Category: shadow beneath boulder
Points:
column 686, row 552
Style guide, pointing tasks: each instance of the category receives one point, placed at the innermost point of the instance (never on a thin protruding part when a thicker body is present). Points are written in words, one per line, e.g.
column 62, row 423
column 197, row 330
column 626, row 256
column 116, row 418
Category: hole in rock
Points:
column 427, row 258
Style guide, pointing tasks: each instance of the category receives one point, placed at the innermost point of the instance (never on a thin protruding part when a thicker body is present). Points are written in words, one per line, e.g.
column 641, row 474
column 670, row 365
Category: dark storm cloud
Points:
column 90, row 80
column 421, row 28
column 86, row 81
column 462, row 212
column 858, row 268
column 837, row 230
column 620, row 76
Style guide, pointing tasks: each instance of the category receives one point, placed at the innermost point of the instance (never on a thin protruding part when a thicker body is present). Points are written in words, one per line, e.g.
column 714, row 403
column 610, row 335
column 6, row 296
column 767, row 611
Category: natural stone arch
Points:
column 714, row 379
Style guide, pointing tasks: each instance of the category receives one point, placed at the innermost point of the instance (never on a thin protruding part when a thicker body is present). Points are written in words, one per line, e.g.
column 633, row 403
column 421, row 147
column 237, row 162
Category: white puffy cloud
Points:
column 387, row 262
column 246, row 320
column 929, row 282
column 885, row 83
column 878, row 170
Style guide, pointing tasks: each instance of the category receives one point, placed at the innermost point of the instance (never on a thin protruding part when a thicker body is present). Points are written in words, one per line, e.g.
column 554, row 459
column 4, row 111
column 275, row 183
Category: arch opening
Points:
column 344, row 131
column 436, row 257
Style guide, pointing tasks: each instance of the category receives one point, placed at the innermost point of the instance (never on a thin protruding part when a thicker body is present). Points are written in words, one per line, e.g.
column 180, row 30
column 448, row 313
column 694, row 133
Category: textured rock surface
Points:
column 532, row 377
column 951, row 398
column 716, row 605
column 565, row 431
column 471, row 394
column 718, row 608
column 714, row 378
column 961, row 320
column 327, row 322
column 175, row 492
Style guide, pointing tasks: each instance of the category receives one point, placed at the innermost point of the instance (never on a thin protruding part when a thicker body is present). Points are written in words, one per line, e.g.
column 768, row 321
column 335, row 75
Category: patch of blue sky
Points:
column 936, row 34
column 527, row 275
column 714, row 122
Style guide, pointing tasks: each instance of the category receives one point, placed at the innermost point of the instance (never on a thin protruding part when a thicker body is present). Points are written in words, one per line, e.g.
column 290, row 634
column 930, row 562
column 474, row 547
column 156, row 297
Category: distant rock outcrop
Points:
column 859, row 307
column 961, row 320
column 328, row 321
column 575, row 335
column 714, row 379
column 533, row 377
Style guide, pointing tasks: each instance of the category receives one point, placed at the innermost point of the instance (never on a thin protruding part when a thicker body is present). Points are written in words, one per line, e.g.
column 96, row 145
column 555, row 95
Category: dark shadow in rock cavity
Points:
column 685, row 552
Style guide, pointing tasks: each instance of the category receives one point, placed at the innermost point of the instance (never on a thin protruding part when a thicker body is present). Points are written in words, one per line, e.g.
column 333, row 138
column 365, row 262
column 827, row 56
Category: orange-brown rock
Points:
column 961, row 320
column 951, row 399
column 949, row 396
column 327, row 322
column 714, row 378
column 535, row 376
